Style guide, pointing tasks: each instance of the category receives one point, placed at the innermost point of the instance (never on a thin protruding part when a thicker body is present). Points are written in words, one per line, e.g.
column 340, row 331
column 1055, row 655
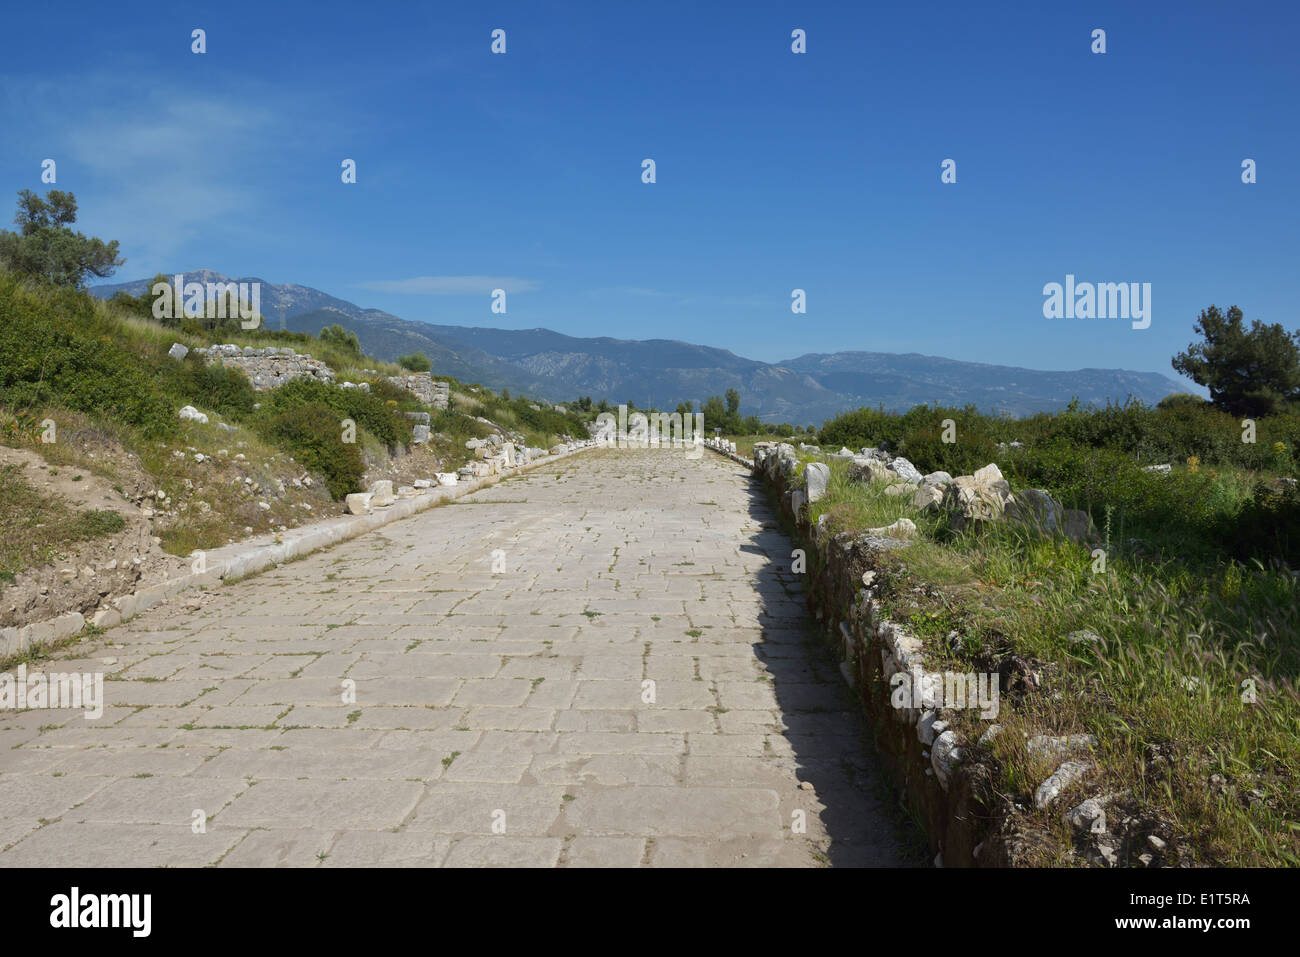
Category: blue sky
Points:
column 775, row 171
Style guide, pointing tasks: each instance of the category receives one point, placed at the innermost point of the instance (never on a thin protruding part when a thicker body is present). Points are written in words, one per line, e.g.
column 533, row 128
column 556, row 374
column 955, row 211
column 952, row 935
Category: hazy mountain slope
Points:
column 664, row 372
column 902, row 381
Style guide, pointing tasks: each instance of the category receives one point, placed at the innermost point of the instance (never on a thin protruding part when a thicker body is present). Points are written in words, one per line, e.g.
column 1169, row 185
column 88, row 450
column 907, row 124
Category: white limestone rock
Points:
column 927, row 498
column 905, row 470
column 867, row 470
column 1088, row 816
column 1035, row 508
column 945, row 756
column 1067, row 774
column 381, row 494
column 904, row 529
column 817, row 476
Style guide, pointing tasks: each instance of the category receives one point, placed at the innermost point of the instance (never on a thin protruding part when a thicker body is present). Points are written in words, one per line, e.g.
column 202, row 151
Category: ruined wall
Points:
column 424, row 388
column 949, row 789
column 267, row 368
column 273, row 366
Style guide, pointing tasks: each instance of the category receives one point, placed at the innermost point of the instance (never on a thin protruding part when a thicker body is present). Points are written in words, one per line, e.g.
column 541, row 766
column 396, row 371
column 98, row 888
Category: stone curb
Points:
column 233, row 562
column 740, row 460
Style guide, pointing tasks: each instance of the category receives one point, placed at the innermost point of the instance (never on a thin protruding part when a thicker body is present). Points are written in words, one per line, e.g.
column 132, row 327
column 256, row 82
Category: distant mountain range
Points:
column 664, row 372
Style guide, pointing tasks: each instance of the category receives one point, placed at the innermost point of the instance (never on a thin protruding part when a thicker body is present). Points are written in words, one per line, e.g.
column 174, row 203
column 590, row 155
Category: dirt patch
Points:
column 224, row 488
column 419, row 462
column 84, row 574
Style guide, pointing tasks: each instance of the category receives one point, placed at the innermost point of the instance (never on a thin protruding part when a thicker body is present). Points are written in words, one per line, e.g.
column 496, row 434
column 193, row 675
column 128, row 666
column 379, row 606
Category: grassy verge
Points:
column 1190, row 690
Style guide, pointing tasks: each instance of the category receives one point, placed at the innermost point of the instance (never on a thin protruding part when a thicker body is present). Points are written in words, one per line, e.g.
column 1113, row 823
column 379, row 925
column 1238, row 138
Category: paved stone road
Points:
column 500, row 718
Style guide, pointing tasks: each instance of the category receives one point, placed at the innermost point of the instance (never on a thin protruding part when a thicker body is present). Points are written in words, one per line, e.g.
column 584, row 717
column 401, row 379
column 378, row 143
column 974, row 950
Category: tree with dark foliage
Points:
column 1252, row 372
column 46, row 248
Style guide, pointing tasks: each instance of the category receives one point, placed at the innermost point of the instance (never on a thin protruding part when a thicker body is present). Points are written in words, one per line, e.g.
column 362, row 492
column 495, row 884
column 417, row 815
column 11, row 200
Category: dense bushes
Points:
column 415, row 362
column 57, row 349
column 919, row 435
column 1095, row 459
column 1171, row 432
column 311, row 430
column 546, row 420
column 341, row 338
column 63, row 348
column 519, row 413
column 306, row 417
column 371, row 412
column 1267, row 525
column 216, row 388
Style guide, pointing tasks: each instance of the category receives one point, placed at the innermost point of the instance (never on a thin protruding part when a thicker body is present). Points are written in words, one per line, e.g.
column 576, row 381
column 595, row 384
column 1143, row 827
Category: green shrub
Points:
column 1268, row 525
column 96, row 522
column 862, row 427
column 57, row 349
column 368, row 410
column 311, row 432
column 342, row 339
column 415, row 362
column 919, row 436
column 1171, row 432
column 217, row 388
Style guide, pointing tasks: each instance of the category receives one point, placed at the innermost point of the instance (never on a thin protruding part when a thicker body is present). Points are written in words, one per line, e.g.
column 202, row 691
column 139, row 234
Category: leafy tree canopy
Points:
column 1251, row 371
column 46, row 248
column 338, row 336
column 415, row 362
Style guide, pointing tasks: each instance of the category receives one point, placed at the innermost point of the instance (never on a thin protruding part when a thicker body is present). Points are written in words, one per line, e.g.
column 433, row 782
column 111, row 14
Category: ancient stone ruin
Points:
column 424, row 388
column 267, row 368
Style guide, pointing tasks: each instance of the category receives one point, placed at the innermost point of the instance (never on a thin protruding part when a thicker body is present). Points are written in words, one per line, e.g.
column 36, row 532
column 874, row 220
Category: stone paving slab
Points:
column 637, row 687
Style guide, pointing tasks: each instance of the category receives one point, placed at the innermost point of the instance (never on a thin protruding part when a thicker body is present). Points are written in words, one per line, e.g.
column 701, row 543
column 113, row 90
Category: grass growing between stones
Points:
column 1189, row 688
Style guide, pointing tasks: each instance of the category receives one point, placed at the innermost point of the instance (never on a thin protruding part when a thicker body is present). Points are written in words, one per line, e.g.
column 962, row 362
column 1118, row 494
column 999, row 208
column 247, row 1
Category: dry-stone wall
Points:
column 274, row 366
column 267, row 368
column 948, row 780
column 424, row 388
column 951, row 795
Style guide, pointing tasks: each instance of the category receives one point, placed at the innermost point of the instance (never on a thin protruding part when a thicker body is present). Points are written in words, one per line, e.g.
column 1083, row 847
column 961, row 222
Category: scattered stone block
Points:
column 904, row 529
column 1067, row 774
column 1088, row 816
column 905, row 470
column 381, row 494
column 817, row 476
column 927, row 498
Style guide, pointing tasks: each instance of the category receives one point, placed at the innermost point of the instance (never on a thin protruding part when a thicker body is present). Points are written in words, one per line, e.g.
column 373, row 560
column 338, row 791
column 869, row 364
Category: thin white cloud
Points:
column 148, row 165
column 451, row 285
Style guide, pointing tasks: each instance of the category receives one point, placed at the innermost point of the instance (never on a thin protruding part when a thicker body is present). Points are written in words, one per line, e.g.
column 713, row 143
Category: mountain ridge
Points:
column 806, row 389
